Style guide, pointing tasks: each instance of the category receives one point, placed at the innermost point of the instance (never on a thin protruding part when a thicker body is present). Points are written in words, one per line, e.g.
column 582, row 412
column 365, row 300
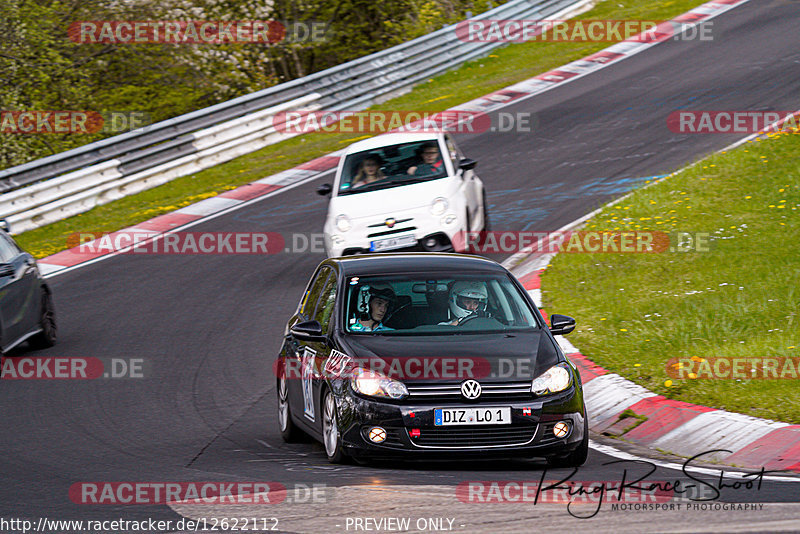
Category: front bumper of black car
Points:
column 410, row 430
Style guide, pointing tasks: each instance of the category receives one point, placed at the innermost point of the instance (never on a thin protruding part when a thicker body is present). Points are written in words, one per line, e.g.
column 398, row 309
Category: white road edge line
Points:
column 622, row 455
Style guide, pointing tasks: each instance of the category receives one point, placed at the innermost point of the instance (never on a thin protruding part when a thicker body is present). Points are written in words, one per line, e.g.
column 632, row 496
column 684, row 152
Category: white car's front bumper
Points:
column 430, row 233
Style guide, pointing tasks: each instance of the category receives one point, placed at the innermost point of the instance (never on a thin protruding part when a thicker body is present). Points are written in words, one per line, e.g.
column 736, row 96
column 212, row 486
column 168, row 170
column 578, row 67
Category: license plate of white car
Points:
column 391, row 243
column 472, row 416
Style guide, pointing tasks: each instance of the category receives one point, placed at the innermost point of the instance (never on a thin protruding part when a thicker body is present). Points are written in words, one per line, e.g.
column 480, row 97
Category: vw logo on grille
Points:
column 470, row 389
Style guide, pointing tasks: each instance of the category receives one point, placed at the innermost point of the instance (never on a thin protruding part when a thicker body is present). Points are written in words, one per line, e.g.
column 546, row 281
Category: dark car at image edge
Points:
column 355, row 390
column 26, row 301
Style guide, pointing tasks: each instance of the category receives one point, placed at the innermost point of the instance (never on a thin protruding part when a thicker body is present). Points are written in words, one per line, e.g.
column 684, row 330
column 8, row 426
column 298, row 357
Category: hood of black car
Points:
column 499, row 357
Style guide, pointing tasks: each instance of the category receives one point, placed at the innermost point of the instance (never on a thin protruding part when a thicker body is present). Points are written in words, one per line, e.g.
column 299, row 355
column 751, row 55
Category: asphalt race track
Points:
column 209, row 327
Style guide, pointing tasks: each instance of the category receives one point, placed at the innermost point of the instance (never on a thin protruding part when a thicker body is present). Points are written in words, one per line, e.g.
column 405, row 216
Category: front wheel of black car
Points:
column 289, row 432
column 577, row 457
column 47, row 322
column 330, row 431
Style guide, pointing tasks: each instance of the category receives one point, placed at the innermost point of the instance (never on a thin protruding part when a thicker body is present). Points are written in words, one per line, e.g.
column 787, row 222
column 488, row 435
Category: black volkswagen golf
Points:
column 428, row 354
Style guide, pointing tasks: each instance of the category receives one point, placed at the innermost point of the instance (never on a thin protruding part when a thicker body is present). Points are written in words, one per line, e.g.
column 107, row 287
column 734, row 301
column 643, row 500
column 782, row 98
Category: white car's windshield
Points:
column 425, row 305
column 391, row 166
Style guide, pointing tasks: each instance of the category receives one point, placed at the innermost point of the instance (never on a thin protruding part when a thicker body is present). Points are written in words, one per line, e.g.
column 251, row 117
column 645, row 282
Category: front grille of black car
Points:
column 547, row 433
column 475, row 437
column 495, row 391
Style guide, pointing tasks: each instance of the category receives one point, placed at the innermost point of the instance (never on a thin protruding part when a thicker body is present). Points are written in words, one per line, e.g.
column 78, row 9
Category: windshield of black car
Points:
column 391, row 166
column 434, row 305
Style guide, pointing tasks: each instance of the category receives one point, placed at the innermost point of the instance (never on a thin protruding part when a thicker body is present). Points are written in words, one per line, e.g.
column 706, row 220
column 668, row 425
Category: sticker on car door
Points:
column 307, row 375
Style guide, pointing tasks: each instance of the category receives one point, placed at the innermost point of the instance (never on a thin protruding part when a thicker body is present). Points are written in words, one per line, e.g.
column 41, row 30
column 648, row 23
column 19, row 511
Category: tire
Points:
column 486, row 225
column 289, row 432
column 330, row 431
column 47, row 322
column 577, row 457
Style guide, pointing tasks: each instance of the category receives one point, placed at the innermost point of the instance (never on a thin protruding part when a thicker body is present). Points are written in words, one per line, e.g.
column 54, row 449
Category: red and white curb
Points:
column 152, row 229
column 678, row 427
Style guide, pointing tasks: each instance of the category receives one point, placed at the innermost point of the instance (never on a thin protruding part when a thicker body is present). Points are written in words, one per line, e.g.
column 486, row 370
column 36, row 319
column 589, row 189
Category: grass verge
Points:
column 503, row 67
column 638, row 313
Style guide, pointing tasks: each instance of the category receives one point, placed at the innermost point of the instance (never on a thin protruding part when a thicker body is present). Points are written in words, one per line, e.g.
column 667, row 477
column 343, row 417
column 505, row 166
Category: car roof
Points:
column 414, row 262
column 390, row 139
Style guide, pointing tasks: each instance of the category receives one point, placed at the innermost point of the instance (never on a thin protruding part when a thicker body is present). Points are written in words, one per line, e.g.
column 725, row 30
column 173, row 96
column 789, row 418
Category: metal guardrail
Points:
column 65, row 184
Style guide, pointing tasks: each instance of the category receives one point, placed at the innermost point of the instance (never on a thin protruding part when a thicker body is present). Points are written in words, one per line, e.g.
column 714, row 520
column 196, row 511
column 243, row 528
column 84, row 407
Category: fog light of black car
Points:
column 377, row 434
column 561, row 429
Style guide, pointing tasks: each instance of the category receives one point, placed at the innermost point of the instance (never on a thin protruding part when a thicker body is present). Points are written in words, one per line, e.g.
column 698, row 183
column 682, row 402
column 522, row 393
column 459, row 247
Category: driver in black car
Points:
column 381, row 299
column 467, row 299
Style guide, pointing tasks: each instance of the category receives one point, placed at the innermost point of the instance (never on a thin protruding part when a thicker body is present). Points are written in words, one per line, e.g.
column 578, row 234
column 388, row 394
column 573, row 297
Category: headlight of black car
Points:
column 557, row 378
column 374, row 384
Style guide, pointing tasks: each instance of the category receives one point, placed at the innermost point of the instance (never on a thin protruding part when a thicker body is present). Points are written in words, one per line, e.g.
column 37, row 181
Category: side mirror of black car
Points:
column 561, row 324
column 4, row 226
column 308, row 331
column 324, row 190
column 6, row 269
column 467, row 164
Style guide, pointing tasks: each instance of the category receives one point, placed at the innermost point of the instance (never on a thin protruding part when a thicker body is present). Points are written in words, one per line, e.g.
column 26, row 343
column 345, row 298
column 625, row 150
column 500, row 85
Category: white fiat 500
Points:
column 403, row 191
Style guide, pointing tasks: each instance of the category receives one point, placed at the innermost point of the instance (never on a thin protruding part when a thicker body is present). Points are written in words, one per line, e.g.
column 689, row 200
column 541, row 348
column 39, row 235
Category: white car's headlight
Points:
column 555, row 379
column 343, row 223
column 439, row 206
column 374, row 384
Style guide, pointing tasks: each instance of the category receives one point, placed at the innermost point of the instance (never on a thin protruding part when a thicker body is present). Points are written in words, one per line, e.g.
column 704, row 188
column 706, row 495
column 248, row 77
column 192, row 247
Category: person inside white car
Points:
column 369, row 171
column 467, row 300
column 381, row 299
column 432, row 162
